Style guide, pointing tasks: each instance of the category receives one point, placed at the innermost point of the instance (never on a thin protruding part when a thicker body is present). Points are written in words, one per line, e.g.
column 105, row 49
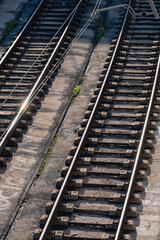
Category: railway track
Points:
column 97, row 194
column 28, row 64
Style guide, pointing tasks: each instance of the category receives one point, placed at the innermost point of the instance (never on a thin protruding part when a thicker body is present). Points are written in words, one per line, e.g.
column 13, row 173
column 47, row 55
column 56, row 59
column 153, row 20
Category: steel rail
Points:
column 43, row 74
column 35, row 61
column 54, row 68
column 138, row 156
column 81, row 143
column 14, row 44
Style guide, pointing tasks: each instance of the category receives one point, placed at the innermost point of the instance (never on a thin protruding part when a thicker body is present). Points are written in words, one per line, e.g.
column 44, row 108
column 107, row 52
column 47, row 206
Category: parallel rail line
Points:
column 97, row 192
column 27, row 63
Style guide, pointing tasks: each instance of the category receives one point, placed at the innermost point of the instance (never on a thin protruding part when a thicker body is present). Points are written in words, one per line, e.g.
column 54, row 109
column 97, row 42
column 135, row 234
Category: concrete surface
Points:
column 28, row 217
column 9, row 10
column 148, row 223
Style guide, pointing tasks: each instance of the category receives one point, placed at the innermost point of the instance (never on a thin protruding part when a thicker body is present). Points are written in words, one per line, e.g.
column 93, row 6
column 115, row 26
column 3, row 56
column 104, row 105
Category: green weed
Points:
column 10, row 25
column 77, row 89
column 100, row 32
column 47, row 155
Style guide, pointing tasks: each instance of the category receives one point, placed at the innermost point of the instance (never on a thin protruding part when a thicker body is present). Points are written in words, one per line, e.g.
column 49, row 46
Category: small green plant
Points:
column 77, row 89
column 10, row 25
column 81, row 79
column 100, row 32
column 47, row 155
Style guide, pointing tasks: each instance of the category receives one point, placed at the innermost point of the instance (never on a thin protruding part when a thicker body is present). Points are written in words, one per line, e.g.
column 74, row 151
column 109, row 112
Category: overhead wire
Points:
column 54, row 68
column 33, row 64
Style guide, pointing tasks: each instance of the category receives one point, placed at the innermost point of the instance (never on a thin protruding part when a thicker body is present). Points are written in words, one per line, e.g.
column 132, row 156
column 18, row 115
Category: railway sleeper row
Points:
column 24, row 65
column 94, row 197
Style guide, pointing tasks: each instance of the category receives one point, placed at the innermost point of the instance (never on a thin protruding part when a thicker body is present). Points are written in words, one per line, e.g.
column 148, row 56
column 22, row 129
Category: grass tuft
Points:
column 77, row 88
column 10, row 25
column 47, row 156
column 76, row 91
column 100, row 32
